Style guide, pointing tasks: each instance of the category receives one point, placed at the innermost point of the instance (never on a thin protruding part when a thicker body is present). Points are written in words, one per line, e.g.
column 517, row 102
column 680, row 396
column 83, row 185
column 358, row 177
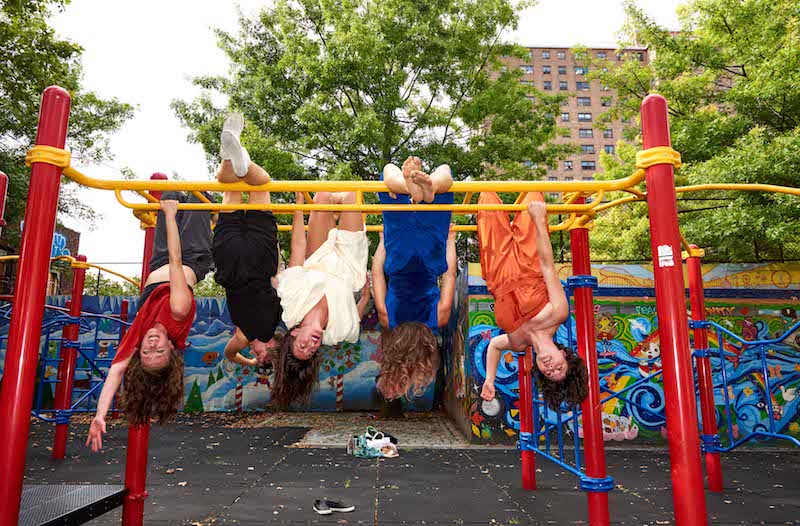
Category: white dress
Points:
column 336, row 270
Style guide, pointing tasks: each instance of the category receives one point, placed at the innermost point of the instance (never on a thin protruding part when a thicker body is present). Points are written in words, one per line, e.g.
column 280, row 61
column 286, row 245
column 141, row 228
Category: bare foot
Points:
column 425, row 183
column 409, row 167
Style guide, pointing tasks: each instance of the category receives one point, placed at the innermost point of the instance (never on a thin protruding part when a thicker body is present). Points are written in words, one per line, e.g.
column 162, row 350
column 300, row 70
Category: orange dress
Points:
column 510, row 264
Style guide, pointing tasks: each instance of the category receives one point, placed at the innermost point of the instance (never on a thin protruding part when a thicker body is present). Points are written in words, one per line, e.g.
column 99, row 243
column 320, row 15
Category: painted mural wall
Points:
column 346, row 381
column 629, row 350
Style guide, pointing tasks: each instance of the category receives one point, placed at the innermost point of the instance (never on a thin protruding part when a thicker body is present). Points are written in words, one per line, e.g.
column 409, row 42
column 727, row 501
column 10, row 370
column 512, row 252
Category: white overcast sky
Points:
column 144, row 52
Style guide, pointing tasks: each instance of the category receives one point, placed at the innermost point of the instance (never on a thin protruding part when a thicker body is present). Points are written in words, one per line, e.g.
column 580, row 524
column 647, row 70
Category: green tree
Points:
column 32, row 57
column 194, row 403
column 208, row 288
column 731, row 76
column 107, row 286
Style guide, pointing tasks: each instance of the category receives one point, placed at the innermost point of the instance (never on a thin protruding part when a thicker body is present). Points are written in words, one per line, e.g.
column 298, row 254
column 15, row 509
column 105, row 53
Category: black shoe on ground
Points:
column 326, row 507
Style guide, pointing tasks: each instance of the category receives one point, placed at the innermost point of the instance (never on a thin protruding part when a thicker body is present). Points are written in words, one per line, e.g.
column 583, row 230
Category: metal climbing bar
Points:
column 757, row 365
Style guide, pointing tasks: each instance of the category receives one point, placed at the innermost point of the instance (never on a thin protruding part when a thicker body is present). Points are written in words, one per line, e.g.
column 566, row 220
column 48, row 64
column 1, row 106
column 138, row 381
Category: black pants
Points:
column 194, row 229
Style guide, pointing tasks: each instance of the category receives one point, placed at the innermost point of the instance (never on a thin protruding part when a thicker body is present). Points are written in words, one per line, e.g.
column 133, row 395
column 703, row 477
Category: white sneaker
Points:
column 235, row 153
column 234, row 123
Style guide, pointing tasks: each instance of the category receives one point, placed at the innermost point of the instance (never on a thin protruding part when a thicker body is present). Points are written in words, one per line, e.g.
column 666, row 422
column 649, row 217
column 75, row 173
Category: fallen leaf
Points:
column 170, row 471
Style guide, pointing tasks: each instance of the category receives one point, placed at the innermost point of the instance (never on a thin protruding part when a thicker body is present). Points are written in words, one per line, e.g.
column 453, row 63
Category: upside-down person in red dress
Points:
column 150, row 356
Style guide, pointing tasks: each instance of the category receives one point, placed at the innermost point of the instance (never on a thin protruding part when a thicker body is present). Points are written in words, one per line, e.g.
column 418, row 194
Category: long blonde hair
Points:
column 410, row 360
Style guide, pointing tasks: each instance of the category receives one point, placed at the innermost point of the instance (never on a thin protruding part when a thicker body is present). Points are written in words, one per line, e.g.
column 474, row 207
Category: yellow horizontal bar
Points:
column 740, row 187
column 453, row 228
column 350, row 186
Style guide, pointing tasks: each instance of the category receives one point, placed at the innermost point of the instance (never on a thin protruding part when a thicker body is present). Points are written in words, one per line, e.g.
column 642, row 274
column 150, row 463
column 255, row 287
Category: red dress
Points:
column 155, row 310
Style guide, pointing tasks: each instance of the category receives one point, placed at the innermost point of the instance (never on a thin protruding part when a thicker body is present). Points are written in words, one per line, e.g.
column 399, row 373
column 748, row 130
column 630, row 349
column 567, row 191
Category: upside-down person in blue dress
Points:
column 416, row 248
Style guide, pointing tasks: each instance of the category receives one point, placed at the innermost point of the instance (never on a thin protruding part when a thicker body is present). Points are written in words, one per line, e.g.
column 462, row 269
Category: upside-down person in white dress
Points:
column 317, row 293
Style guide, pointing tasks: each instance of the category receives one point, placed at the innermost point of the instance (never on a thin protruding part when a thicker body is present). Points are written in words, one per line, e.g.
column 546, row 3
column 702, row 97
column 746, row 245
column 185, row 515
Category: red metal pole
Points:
column 525, row 363
column 66, row 368
column 139, row 436
column 681, row 407
column 704, row 378
column 19, row 376
column 591, row 409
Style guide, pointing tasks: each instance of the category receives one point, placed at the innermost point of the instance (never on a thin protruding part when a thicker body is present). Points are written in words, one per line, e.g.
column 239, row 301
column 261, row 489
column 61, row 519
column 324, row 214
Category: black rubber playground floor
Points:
column 202, row 473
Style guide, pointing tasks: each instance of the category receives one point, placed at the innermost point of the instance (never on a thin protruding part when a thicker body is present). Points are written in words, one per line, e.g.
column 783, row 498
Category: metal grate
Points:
column 68, row 504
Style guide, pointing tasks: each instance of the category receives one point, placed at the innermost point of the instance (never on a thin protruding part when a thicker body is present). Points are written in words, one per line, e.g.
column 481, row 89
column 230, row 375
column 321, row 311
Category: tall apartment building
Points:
column 555, row 70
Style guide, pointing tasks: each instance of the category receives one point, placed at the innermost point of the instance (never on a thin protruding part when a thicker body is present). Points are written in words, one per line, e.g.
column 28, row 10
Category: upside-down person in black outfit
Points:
column 245, row 250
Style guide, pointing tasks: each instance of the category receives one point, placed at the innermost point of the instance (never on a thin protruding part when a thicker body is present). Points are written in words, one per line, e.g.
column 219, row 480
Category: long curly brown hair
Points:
column 572, row 389
column 152, row 393
column 410, row 360
column 295, row 379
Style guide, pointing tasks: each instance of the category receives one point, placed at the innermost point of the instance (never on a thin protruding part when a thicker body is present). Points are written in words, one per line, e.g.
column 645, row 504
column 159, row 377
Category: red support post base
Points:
column 525, row 363
column 688, row 494
column 705, row 380
column 591, row 409
column 135, row 475
column 22, row 353
column 69, row 356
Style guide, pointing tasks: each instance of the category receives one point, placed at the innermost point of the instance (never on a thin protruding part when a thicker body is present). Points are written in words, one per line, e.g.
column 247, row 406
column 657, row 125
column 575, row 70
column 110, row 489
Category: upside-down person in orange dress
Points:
column 529, row 301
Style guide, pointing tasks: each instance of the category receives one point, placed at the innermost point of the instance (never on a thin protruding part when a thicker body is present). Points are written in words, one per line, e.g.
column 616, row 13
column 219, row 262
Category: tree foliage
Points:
column 731, row 76
column 99, row 285
column 338, row 89
column 32, row 57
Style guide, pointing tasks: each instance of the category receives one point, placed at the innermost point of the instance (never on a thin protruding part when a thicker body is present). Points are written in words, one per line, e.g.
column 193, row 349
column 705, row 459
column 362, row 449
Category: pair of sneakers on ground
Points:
column 230, row 145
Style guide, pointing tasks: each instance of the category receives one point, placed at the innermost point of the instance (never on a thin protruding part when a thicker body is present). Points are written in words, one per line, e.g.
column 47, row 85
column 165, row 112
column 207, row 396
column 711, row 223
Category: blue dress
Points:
column 416, row 250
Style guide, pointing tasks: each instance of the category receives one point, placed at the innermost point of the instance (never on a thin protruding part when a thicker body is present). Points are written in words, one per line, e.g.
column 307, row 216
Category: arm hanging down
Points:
column 448, row 282
column 496, row 346
column 235, row 345
column 98, row 426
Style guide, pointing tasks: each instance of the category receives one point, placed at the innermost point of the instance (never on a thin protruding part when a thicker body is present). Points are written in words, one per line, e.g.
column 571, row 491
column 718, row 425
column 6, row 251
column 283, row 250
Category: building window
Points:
column 619, row 56
column 606, row 101
column 639, row 56
column 526, row 82
column 562, row 70
column 587, row 178
column 584, row 101
column 579, row 70
column 546, row 70
column 585, row 133
column 548, row 85
column 527, row 70
column 548, row 116
column 604, row 87
column 562, row 85
column 587, row 148
column 608, row 134
column 569, row 178
column 601, row 54
column 584, row 117
column 567, row 165
column 565, row 117
column 552, row 178
column 609, row 148
column 545, row 55
column 565, row 103
column 562, row 55
column 582, row 86
column 587, row 165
